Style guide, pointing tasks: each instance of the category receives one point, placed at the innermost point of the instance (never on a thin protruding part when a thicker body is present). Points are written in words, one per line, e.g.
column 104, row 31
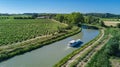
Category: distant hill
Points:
column 103, row 15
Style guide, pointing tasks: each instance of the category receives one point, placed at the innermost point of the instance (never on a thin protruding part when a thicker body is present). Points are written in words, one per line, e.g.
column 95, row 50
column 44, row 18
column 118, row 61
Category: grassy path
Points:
column 73, row 59
column 115, row 62
column 59, row 22
column 29, row 40
column 23, row 42
column 93, row 52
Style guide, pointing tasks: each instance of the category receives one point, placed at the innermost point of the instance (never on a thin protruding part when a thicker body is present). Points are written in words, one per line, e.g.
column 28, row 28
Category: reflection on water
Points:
column 48, row 55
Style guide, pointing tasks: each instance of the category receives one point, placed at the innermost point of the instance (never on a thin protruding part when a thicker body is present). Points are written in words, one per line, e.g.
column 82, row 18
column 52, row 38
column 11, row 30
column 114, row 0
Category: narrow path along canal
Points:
column 49, row 55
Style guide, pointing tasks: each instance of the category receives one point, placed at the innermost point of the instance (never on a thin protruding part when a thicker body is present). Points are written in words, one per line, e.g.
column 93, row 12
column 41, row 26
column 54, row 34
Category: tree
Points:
column 113, row 46
column 74, row 18
column 60, row 17
column 77, row 18
column 102, row 24
column 92, row 20
column 35, row 15
column 118, row 25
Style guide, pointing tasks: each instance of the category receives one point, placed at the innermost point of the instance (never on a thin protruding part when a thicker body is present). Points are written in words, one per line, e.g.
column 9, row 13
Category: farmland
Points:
column 12, row 31
column 48, row 33
column 111, row 23
column 18, row 36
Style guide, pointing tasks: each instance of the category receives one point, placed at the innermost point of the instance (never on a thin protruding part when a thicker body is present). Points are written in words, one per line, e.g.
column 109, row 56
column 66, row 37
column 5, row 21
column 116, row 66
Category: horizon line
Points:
column 59, row 13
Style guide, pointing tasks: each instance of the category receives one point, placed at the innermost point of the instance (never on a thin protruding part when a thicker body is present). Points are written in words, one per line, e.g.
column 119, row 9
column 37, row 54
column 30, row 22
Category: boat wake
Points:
column 68, row 47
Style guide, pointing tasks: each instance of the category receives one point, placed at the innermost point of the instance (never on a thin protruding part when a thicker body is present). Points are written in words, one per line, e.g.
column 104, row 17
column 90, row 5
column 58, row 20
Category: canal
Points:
column 49, row 55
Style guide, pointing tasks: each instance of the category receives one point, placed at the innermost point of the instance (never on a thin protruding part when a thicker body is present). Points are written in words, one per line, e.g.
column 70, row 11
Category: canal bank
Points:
column 48, row 55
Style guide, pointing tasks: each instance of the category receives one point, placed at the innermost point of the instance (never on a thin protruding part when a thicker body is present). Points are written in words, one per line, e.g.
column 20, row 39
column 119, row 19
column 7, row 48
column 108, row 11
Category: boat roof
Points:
column 72, row 41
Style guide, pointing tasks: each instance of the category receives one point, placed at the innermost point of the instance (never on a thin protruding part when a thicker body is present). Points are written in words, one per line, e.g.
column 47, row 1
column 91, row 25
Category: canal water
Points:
column 49, row 55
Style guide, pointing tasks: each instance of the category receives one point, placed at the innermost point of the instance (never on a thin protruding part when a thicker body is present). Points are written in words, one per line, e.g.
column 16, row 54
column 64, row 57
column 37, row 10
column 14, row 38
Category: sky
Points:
column 60, row 6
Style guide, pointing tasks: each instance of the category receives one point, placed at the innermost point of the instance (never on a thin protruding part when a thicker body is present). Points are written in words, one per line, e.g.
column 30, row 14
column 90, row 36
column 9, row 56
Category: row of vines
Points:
column 12, row 31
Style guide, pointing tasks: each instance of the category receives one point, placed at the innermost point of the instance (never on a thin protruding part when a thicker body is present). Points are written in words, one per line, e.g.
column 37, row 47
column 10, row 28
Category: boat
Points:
column 74, row 43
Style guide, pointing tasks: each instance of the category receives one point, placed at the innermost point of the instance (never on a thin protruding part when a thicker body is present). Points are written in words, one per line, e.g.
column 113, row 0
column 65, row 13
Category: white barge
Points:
column 74, row 43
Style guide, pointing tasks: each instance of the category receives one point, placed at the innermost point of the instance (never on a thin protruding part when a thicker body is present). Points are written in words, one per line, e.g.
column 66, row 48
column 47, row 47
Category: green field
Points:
column 12, row 31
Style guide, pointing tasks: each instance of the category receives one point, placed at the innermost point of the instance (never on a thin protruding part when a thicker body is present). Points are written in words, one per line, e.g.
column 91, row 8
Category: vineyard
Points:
column 12, row 31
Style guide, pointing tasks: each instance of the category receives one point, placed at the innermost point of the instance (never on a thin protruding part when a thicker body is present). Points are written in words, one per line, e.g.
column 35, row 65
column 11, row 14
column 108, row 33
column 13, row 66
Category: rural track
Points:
column 73, row 59
column 92, row 53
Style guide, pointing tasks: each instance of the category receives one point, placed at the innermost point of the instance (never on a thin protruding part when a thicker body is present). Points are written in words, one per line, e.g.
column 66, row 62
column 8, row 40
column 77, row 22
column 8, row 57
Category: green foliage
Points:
column 113, row 45
column 60, row 17
column 17, row 30
column 23, row 17
column 118, row 25
column 35, row 15
column 102, row 24
column 74, row 18
column 92, row 20
column 15, row 17
column 100, row 59
column 112, row 48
